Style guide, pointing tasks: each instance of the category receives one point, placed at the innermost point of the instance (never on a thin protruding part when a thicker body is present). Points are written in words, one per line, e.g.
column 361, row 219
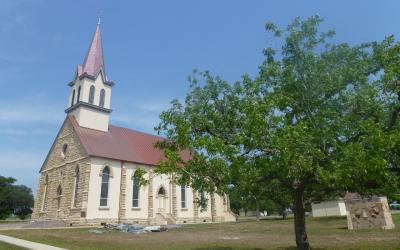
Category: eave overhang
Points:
column 88, row 105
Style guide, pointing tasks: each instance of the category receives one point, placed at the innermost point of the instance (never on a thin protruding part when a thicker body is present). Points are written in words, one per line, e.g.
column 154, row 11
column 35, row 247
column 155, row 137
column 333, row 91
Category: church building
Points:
column 88, row 176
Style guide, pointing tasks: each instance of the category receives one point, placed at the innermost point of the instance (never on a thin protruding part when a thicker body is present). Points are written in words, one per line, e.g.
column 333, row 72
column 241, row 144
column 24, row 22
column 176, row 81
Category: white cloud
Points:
column 17, row 132
column 23, row 166
column 30, row 114
column 143, row 115
column 142, row 122
column 21, row 160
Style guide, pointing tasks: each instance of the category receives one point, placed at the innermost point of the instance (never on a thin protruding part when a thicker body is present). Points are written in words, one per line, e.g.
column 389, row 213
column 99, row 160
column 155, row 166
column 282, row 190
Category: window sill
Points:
column 135, row 208
column 75, row 209
column 104, row 208
column 184, row 209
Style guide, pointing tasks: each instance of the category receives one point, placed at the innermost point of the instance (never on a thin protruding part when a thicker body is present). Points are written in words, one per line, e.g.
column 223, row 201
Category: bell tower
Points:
column 90, row 95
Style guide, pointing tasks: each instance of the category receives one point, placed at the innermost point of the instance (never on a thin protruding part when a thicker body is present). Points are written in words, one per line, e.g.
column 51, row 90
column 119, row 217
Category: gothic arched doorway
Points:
column 161, row 198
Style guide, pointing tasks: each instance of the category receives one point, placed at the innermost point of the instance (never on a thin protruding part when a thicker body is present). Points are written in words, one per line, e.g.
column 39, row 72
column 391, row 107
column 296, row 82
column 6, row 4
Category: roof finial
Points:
column 99, row 17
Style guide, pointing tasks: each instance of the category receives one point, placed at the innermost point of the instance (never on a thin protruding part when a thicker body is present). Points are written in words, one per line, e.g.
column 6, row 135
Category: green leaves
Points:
column 318, row 120
column 14, row 199
column 315, row 118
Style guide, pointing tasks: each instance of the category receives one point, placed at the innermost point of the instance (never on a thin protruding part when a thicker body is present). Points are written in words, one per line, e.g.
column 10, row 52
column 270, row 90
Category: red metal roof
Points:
column 121, row 144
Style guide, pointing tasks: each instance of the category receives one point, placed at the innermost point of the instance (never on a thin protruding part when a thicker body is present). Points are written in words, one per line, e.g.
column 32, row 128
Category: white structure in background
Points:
column 329, row 208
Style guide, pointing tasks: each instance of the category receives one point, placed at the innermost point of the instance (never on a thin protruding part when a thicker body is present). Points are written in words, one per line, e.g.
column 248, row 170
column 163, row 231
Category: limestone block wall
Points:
column 111, row 211
column 56, row 190
column 369, row 213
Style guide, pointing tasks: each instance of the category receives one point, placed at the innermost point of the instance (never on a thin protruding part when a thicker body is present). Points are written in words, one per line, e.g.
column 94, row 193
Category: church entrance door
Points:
column 161, row 197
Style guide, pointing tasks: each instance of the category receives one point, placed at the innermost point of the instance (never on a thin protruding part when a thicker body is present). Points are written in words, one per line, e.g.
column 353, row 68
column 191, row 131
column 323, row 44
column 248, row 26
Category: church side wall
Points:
column 185, row 213
column 162, row 205
column 222, row 209
column 109, row 213
column 136, row 214
column 205, row 214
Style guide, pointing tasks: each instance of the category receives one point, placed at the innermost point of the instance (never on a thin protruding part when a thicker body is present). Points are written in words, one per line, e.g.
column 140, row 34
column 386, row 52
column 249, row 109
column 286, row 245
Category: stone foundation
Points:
column 98, row 222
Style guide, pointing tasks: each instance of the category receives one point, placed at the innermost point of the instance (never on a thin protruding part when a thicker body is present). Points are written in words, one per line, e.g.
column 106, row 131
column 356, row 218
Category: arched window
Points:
column 44, row 198
column 73, row 98
column 203, row 201
column 64, row 150
column 91, row 94
column 102, row 96
column 105, row 179
column 59, row 195
column 76, row 187
column 79, row 95
column 135, row 191
column 161, row 191
column 183, row 196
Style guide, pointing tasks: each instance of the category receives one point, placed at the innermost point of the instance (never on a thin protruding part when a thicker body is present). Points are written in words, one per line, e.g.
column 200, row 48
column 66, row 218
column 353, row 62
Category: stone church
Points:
column 88, row 176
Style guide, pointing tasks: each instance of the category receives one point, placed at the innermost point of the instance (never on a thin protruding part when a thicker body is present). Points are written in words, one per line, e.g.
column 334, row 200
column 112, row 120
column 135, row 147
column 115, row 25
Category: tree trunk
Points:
column 257, row 210
column 300, row 221
column 284, row 214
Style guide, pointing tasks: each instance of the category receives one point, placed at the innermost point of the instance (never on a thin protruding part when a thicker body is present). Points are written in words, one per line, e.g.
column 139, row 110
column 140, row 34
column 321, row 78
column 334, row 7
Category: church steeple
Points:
column 94, row 61
column 90, row 94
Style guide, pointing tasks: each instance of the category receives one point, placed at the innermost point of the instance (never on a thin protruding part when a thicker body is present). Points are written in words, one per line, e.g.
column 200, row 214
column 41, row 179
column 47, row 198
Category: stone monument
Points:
column 368, row 213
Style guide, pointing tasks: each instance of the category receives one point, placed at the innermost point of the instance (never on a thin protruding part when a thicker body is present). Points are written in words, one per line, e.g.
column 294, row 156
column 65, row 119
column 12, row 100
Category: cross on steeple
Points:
column 99, row 17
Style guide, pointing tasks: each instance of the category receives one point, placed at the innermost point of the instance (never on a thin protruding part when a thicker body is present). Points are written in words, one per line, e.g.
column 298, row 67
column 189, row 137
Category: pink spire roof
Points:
column 94, row 61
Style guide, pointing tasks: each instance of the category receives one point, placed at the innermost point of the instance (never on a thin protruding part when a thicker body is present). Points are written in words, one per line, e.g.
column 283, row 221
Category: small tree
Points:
column 21, row 201
column 14, row 199
column 5, row 189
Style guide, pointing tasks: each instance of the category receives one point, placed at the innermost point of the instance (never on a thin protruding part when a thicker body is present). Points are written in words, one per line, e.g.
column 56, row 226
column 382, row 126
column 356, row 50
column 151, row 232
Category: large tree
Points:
column 311, row 122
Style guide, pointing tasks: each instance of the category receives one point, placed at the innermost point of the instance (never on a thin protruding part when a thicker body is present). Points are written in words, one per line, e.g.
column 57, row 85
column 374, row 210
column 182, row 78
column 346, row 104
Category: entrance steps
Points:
column 165, row 219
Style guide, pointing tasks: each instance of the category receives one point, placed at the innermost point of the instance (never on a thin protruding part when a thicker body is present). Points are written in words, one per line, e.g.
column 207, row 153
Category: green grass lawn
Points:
column 324, row 233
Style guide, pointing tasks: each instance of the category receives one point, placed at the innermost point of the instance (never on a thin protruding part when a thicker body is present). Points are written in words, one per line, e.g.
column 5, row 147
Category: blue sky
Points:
column 150, row 48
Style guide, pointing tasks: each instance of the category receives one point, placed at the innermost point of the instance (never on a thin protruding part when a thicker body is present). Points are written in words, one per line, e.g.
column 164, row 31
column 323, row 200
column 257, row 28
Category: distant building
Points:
column 329, row 208
column 252, row 213
column 88, row 176
column 334, row 207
